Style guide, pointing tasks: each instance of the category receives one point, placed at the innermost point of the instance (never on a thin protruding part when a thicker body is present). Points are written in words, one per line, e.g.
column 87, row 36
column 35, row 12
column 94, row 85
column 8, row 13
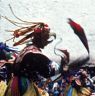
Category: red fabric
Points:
column 15, row 87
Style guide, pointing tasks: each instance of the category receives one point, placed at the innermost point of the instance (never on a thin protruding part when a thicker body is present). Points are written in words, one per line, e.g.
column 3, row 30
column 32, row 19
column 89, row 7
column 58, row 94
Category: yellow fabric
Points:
column 31, row 91
column 74, row 92
column 8, row 90
column 3, row 87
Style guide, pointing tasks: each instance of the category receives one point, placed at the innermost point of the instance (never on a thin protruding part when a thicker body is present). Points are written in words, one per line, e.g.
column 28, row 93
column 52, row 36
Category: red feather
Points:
column 79, row 31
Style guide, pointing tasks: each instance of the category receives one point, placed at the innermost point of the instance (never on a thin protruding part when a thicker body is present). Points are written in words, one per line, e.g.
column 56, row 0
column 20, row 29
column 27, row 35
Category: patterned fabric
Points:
column 32, row 90
column 21, row 85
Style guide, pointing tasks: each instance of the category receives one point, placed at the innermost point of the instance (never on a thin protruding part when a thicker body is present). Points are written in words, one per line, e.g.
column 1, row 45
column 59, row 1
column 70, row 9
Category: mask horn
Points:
column 52, row 34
